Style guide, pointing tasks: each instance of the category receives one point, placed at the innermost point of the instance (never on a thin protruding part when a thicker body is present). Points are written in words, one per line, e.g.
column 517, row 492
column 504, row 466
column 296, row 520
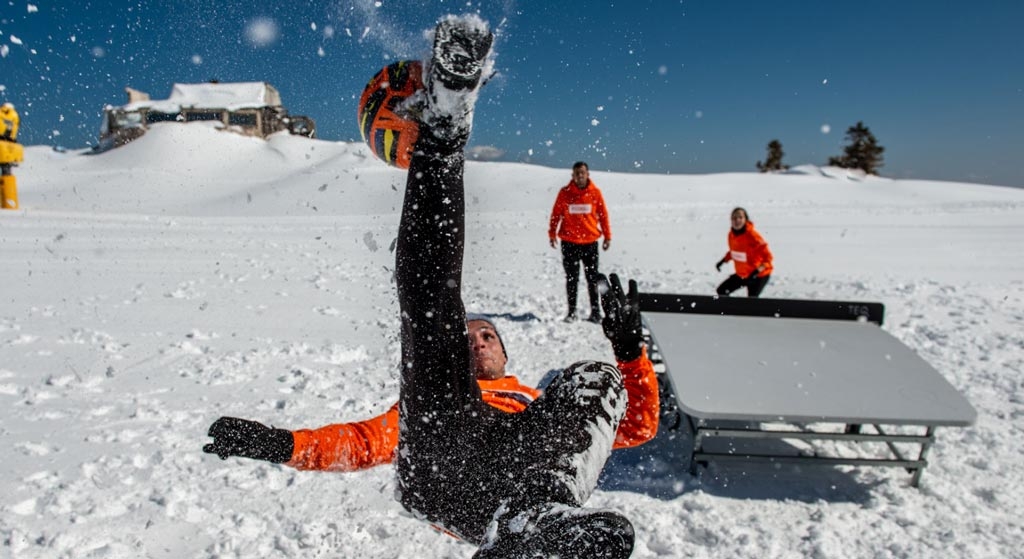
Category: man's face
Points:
column 581, row 176
column 486, row 356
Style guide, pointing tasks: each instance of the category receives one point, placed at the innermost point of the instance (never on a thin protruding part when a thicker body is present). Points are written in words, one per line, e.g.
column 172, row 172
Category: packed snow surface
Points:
column 195, row 273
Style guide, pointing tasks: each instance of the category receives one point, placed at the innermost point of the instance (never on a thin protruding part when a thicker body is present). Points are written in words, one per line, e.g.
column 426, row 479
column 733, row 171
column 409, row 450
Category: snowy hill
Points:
column 192, row 274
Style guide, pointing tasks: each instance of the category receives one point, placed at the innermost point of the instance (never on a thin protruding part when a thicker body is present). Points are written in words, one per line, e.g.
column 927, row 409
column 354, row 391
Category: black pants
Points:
column 754, row 286
column 572, row 255
column 459, row 460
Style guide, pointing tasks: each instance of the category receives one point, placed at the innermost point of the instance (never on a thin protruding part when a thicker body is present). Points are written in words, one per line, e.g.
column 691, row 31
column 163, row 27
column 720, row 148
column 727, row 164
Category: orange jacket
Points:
column 748, row 250
column 346, row 447
column 582, row 214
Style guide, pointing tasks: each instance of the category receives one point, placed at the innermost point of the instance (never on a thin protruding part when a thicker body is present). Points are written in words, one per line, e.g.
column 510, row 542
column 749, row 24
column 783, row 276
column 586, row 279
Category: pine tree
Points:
column 774, row 160
column 862, row 152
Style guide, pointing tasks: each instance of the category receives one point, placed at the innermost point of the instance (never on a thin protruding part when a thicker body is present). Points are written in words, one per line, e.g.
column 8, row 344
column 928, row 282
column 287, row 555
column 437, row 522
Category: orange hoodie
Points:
column 346, row 447
column 748, row 250
column 581, row 211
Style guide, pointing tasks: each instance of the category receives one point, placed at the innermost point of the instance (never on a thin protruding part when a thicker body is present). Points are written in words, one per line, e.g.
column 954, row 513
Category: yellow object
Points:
column 10, row 153
column 8, row 192
column 9, row 122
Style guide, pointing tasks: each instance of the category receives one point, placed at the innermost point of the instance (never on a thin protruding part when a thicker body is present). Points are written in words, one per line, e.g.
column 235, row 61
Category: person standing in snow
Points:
column 578, row 219
column 11, row 153
column 750, row 254
column 512, row 483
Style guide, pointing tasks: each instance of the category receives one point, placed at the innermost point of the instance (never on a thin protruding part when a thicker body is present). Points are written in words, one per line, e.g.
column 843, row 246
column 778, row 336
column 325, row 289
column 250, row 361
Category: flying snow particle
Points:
column 262, row 32
column 370, row 242
column 594, row 122
column 699, row 114
column 196, row 59
column 600, row 108
column 15, row 40
column 662, row 70
column 824, row 81
column 4, row 49
column 312, row 25
column 74, row 39
column 32, row 8
column 320, row 52
column 329, row 31
column 825, row 128
column 99, row 52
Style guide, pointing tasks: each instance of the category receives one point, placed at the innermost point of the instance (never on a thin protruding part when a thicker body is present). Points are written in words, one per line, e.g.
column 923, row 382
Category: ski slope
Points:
column 194, row 273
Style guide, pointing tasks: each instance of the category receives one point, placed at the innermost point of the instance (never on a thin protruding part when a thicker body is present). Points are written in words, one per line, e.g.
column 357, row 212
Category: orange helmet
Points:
column 390, row 135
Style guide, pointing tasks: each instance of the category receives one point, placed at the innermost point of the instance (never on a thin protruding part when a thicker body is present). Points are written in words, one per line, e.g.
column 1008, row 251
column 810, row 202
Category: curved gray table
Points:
column 790, row 376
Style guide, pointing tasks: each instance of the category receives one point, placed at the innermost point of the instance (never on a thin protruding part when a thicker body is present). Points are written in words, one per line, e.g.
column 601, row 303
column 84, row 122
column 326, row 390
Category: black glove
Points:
column 753, row 275
column 718, row 265
column 249, row 439
column 621, row 318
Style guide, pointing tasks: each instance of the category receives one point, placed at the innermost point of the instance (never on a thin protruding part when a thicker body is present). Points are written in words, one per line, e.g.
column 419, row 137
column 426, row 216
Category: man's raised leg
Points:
column 440, row 400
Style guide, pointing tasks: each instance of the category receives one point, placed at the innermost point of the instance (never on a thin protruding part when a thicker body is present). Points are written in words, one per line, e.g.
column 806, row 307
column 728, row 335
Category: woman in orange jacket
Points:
column 749, row 253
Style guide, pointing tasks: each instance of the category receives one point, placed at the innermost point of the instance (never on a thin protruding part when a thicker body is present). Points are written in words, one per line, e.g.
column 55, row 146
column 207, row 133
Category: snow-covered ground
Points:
column 146, row 291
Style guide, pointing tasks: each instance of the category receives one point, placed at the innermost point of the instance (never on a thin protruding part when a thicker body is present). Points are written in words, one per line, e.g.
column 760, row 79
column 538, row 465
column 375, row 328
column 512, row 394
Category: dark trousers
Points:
column 754, row 286
column 572, row 255
column 459, row 460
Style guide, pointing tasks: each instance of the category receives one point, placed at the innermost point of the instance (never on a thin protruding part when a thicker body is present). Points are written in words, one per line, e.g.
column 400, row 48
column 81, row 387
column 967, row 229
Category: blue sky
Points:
column 639, row 86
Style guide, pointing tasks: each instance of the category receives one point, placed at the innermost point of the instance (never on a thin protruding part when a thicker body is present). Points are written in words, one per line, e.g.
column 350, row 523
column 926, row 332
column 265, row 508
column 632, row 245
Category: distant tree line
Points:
column 862, row 151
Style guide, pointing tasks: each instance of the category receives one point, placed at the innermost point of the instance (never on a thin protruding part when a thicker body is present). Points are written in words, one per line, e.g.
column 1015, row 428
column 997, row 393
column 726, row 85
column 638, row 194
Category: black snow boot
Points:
column 461, row 45
column 560, row 531
column 458, row 58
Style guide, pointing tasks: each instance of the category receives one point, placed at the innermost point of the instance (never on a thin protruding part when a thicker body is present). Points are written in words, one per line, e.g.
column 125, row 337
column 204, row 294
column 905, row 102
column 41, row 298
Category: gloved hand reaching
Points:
column 719, row 264
column 249, row 439
column 621, row 317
